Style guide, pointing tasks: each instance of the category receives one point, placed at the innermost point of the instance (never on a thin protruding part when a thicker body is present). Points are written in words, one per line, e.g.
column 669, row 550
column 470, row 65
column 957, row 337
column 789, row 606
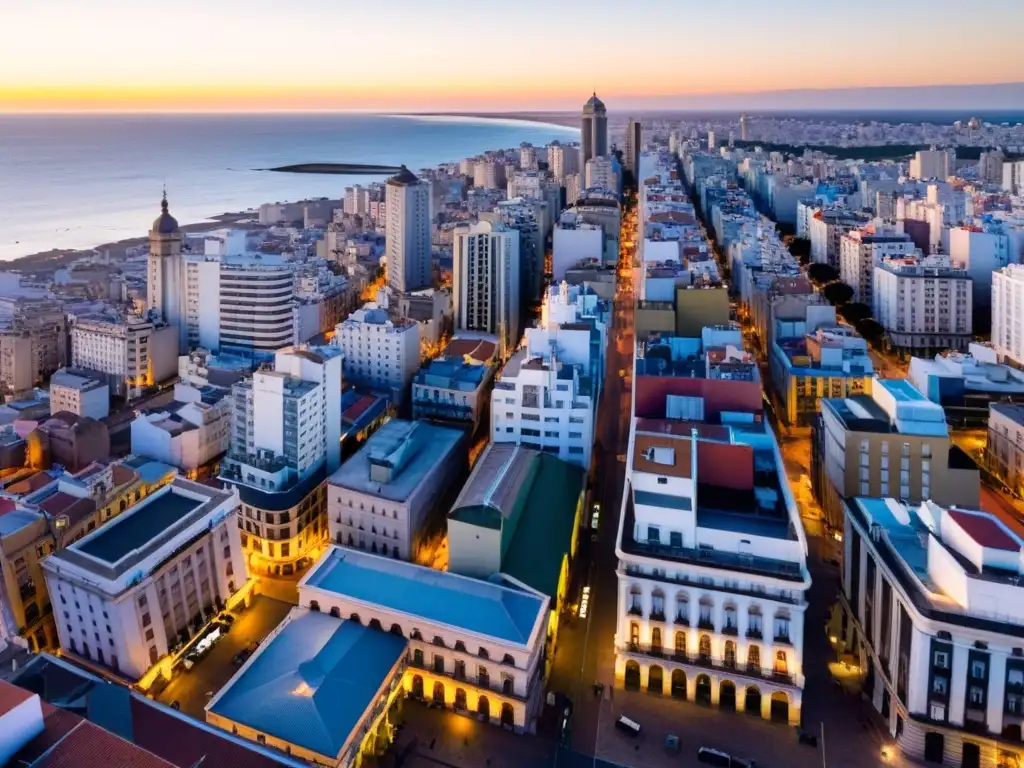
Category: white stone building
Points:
column 133, row 353
column 128, row 593
column 923, row 306
column 486, row 282
column 931, row 164
column 79, row 393
column 861, row 251
column 380, row 499
column 379, row 353
column 1008, row 313
column 188, row 433
column 933, row 609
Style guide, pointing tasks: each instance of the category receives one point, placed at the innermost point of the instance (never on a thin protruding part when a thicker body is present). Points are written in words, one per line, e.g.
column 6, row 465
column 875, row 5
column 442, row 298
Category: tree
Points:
column 871, row 330
column 822, row 273
column 854, row 312
column 800, row 247
column 837, row 293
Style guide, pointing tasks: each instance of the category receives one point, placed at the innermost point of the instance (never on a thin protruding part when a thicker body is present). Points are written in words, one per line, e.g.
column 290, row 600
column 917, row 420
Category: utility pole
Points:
column 823, row 763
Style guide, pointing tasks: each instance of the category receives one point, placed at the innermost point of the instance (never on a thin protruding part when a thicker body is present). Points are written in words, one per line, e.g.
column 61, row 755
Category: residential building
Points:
column 981, row 252
column 603, row 172
column 79, row 393
column 486, row 282
column 353, row 696
column 860, row 252
column 128, row 594
column 381, row 499
column 826, row 229
column 489, row 174
column 546, row 404
column 1007, row 313
column 474, row 646
column 575, row 241
column 923, row 308
column 593, row 130
column 1004, row 449
column 712, row 577
column 76, row 726
column 69, row 441
column 931, row 615
column 633, row 144
column 450, row 388
column 601, row 207
column 132, row 353
column 887, row 443
column 815, row 357
column 1013, row 176
column 932, row 164
column 990, row 167
column 565, row 161
column 190, row 433
column 279, row 459
column 379, row 353
column 34, row 344
column 965, row 384
column 202, row 368
column 408, row 232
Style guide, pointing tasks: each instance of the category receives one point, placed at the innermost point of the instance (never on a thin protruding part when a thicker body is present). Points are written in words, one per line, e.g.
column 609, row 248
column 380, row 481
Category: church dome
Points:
column 165, row 224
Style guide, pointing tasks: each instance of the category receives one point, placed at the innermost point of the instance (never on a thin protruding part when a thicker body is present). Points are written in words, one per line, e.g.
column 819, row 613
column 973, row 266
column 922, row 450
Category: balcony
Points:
column 707, row 624
column 657, row 615
column 635, row 610
column 682, row 621
column 731, row 629
column 782, row 638
column 754, row 634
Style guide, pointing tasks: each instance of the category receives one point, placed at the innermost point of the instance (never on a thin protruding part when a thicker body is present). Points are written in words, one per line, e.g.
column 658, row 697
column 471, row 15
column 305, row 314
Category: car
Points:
column 241, row 657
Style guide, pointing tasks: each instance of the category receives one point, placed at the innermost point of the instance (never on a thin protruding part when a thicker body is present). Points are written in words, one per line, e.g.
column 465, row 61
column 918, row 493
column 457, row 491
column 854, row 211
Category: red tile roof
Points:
column 358, row 408
column 6, row 505
column 12, row 696
column 985, row 531
column 89, row 746
column 480, row 350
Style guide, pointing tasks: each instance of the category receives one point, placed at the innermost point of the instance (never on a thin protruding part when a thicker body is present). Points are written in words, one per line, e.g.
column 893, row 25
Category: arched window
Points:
column 634, row 634
column 754, row 658
column 781, row 664
column 482, row 653
column 680, row 645
column 730, row 654
column 396, row 630
column 704, row 648
column 656, row 640
column 355, row 617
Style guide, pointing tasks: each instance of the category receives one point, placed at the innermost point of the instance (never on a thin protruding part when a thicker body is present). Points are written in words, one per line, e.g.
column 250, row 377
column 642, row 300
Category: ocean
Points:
column 78, row 181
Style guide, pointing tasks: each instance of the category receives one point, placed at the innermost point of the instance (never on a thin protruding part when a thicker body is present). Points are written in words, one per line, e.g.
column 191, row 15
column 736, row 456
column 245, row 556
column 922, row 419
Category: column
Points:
column 766, row 704
column 996, row 690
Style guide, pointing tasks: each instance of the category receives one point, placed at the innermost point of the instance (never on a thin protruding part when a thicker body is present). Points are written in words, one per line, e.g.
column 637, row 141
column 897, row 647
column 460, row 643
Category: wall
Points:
column 473, row 550
column 649, row 394
column 697, row 308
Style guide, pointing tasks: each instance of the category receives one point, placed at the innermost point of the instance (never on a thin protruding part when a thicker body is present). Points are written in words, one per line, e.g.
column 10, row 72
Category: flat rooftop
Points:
column 413, row 449
column 312, row 682
column 472, row 605
column 138, row 526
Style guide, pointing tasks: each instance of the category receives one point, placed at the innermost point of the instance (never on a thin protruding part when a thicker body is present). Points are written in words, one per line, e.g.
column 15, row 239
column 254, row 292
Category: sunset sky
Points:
column 483, row 55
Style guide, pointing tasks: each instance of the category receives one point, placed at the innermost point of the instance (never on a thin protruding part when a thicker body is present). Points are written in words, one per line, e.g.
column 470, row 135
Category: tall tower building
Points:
column 486, row 282
column 593, row 130
column 743, row 127
column 165, row 294
column 631, row 156
column 408, row 232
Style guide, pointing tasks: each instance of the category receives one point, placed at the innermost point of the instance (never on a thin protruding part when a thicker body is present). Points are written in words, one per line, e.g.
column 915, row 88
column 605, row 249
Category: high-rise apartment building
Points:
column 860, row 251
column 565, row 161
column 380, row 353
column 408, row 232
column 1008, row 313
column 593, row 130
column 924, row 308
column 931, row 164
column 744, row 128
column 486, row 282
column 631, row 156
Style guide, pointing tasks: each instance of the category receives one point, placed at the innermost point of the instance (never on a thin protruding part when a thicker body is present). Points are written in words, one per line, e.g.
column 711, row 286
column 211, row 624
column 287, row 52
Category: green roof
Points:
column 543, row 535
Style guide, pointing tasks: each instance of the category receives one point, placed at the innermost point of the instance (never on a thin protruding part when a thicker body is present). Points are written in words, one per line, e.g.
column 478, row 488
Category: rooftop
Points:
column 451, row 373
column 312, row 683
column 407, row 451
column 480, row 607
column 279, row 500
column 139, row 526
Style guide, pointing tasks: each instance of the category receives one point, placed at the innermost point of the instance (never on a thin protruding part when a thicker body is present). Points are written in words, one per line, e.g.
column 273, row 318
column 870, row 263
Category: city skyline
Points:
column 226, row 61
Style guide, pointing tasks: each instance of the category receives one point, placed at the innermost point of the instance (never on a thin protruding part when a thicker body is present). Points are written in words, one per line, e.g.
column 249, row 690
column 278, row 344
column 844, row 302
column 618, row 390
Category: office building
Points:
column 891, row 442
column 744, row 128
column 593, row 130
column 132, row 353
column 189, row 433
column 407, row 245
column 473, row 646
column 712, row 583
column 285, row 440
column 634, row 143
column 379, row 353
column 486, row 283
column 931, row 617
column 79, row 393
column 382, row 498
column 128, row 594
column 924, row 309
column 546, row 404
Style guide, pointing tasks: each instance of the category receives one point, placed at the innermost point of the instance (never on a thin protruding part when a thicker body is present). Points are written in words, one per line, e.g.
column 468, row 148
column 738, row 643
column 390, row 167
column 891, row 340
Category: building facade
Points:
column 924, row 309
column 860, row 252
column 593, row 130
column 133, row 353
column 408, row 232
column 379, row 353
column 486, row 282
column 1004, row 449
column 79, row 393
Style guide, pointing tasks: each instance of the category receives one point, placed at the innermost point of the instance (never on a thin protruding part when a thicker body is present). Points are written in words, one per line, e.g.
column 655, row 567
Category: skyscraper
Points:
column 164, row 293
column 743, row 127
column 631, row 156
column 408, row 232
column 593, row 130
column 486, row 281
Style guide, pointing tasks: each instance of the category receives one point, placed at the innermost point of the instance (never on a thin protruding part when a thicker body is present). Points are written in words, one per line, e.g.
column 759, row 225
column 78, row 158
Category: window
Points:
column 977, row 695
column 149, row 634
column 634, row 633
column 977, row 669
column 146, row 619
column 939, row 686
column 653, row 534
column 941, row 660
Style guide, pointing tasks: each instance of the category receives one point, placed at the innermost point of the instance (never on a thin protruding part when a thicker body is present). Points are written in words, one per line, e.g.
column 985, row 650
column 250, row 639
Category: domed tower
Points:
column 164, row 295
column 593, row 130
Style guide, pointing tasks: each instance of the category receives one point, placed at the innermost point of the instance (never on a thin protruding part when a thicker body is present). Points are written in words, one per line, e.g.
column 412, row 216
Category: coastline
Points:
column 559, row 119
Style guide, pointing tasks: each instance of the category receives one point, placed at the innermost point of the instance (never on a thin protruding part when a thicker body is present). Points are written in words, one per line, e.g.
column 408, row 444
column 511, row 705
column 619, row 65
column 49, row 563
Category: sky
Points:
column 435, row 55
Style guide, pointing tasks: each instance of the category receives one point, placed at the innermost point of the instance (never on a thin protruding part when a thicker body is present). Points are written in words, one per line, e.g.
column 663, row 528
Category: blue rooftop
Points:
column 902, row 391
column 481, row 607
column 313, row 682
column 451, row 373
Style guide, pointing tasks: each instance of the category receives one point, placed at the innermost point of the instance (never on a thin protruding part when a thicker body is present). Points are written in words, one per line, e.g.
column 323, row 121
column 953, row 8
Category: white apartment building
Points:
column 573, row 188
column 574, row 240
column 407, row 245
column 1013, row 177
column 825, row 230
column 526, row 184
column 474, row 646
column 379, row 353
column 603, row 173
column 129, row 593
column 1008, row 313
column 931, row 164
column 132, row 353
column 380, row 498
column 357, row 200
column 79, row 393
column 712, row 588
column 981, row 253
column 489, row 174
column 190, row 432
column 565, row 161
column 545, row 404
column 933, row 609
column 923, row 305
column 486, row 282
column 861, row 251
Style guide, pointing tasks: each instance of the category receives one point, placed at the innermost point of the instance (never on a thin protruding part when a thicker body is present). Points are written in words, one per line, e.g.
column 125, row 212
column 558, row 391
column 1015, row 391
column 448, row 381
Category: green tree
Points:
column 837, row 293
column 822, row 273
